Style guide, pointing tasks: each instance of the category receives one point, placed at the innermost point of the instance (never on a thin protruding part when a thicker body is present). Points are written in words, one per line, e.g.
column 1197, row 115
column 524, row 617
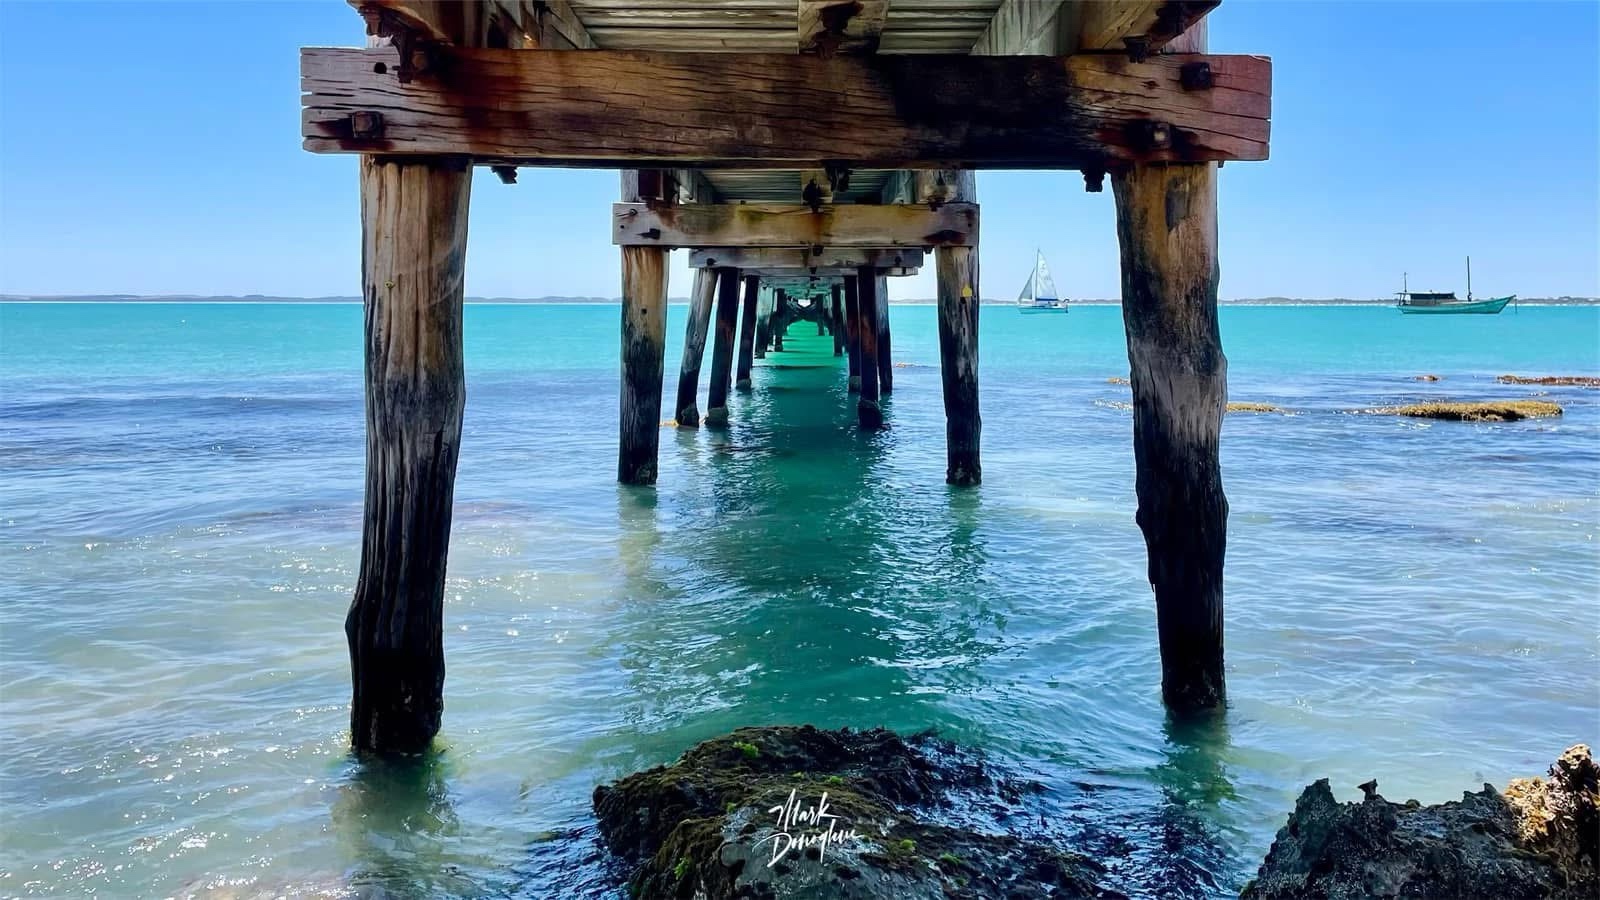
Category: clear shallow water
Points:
column 180, row 495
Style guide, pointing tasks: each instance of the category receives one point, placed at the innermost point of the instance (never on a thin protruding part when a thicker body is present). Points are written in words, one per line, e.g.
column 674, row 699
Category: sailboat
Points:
column 1441, row 302
column 1039, row 294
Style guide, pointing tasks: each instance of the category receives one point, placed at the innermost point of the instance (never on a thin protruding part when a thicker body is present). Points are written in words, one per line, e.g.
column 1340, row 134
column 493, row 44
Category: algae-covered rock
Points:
column 1532, row 843
column 800, row 812
column 1485, row 411
column 1552, row 380
column 1241, row 406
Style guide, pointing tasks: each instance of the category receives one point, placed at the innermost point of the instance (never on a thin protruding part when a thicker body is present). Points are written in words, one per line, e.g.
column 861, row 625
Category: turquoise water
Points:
column 181, row 501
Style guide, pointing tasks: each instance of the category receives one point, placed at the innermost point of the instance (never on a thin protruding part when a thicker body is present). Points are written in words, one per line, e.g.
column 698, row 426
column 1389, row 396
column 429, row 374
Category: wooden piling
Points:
column 763, row 323
column 413, row 258
column 885, row 339
column 644, row 346
column 644, row 338
column 701, row 298
column 1167, row 229
column 836, row 318
column 958, row 362
column 869, row 412
column 780, row 320
column 722, row 347
column 747, row 332
column 852, row 330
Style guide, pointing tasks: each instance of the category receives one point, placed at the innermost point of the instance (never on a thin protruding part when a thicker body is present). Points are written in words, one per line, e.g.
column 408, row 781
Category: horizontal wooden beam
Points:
column 606, row 108
column 793, row 225
column 804, row 258
column 892, row 272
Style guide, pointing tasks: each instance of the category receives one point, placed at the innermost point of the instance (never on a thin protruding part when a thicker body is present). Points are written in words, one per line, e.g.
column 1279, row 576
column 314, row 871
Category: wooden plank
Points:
column 1111, row 26
column 516, row 24
column 827, row 27
column 613, row 108
column 693, row 186
column 805, row 258
column 559, row 20
column 1021, row 27
column 790, row 225
column 899, row 187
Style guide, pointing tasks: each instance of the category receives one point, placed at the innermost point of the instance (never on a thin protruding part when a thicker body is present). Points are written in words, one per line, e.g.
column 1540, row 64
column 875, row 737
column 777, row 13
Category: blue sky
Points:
column 154, row 148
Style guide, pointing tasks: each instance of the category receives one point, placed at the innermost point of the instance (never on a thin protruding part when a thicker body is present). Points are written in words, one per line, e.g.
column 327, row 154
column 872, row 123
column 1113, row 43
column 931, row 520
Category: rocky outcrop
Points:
column 1537, row 840
column 799, row 812
column 1485, row 411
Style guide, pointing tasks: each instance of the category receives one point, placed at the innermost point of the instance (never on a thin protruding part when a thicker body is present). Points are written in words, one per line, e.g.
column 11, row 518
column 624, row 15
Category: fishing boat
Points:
column 1039, row 294
column 1446, row 302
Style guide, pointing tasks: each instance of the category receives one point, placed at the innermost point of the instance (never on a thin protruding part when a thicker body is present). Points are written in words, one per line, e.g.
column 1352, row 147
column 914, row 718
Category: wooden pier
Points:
column 802, row 151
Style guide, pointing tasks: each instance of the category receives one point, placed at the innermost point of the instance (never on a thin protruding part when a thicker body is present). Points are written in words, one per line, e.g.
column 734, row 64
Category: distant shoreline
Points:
column 675, row 301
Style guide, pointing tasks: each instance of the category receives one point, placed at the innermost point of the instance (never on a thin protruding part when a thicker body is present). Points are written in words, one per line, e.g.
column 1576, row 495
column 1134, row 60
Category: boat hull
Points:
column 1029, row 310
column 1473, row 307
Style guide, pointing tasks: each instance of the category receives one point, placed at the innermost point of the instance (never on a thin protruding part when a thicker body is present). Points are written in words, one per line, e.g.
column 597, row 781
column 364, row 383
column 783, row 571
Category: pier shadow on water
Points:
column 785, row 572
column 782, row 576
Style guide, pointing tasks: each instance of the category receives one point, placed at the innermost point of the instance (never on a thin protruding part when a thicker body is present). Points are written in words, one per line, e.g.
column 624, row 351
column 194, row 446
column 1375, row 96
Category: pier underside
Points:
column 803, row 152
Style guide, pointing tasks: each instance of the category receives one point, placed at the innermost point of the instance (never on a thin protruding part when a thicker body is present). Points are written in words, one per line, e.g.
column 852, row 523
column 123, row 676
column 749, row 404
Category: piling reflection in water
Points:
column 396, row 824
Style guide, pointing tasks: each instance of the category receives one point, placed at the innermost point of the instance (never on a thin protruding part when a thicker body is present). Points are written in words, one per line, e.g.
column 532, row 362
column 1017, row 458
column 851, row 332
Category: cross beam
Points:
column 606, row 108
column 805, row 258
column 793, row 225
column 770, row 273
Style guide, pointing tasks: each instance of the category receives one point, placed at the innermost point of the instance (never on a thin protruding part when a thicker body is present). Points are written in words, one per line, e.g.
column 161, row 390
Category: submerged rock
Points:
column 1538, row 840
column 1487, row 411
column 799, row 812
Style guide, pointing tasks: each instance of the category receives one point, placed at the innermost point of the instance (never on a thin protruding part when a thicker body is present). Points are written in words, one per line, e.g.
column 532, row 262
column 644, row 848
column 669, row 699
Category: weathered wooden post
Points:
column 852, row 329
column 959, row 302
column 869, row 414
column 747, row 332
column 722, row 347
column 885, row 340
column 763, row 322
column 701, row 298
column 958, row 362
column 780, row 319
column 836, row 318
column 1167, row 229
column 413, row 257
column 644, row 340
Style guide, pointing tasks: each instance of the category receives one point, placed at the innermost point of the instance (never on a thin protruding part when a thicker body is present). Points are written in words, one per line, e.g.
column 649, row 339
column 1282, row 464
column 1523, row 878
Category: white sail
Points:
column 1044, row 287
column 1040, row 285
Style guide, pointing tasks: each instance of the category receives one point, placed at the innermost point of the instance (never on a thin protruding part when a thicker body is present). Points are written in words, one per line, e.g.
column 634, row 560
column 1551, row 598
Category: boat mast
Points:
column 1469, row 279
